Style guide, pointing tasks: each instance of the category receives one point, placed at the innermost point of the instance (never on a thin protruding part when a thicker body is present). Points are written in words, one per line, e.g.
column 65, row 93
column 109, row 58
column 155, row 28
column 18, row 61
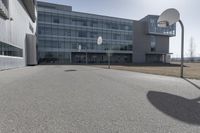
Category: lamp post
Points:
column 109, row 57
column 86, row 55
column 109, row 54
column 99, row 40
column 79, row 50
column 168, row 18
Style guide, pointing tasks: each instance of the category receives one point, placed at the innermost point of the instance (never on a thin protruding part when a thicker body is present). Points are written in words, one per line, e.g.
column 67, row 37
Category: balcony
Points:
column 154, row 29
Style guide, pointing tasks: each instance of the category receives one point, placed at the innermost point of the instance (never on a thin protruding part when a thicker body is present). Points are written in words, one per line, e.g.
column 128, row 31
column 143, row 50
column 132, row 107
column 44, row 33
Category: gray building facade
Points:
column 152, row 43
column 62, row 31
column 69, row 37
column 17, row 21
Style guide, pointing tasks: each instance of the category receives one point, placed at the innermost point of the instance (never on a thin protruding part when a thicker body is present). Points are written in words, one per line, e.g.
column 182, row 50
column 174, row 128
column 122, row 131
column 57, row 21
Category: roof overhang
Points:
column 158, row 53
column 3, row 10
column 161, row 34
column 30, row 6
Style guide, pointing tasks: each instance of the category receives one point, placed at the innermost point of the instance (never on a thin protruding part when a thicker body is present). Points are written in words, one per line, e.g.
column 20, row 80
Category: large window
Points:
column 9, row 50
column 82, row 34
column 54, row 57
column 153, row 44
column 56, row 20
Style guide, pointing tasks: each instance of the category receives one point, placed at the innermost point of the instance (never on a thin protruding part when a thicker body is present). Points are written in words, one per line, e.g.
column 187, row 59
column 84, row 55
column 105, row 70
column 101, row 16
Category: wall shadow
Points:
column 180, row 108
column 144, row 65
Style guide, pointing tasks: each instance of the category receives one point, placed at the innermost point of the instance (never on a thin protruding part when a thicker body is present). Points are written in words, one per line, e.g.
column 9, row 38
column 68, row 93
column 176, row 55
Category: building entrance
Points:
column 101, row 58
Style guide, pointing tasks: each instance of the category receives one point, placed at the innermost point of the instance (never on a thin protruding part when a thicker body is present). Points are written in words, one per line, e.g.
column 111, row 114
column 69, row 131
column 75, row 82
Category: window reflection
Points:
column 9, row 50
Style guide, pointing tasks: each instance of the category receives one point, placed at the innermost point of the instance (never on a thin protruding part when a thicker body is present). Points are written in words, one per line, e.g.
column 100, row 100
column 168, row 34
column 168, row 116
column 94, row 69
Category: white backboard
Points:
column 99, row 40
column 168, row 17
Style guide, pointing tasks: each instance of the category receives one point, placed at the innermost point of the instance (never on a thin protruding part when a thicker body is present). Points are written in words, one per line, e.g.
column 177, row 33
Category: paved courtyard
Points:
column 81, row 99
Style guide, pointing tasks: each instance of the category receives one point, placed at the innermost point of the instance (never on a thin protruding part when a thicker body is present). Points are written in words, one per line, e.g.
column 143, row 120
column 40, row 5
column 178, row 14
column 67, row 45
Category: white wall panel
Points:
column 13, row 31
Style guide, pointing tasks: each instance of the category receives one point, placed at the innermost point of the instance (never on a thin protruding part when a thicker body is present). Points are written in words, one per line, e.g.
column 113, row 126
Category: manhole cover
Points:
column 71, row 70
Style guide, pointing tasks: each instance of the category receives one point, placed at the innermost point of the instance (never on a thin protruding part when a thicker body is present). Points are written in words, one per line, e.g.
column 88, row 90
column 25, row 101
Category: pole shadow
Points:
column 177, row 107
column 195, row 85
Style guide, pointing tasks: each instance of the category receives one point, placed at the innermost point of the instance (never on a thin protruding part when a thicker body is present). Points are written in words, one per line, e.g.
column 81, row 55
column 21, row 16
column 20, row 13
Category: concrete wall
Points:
column 142, row 42
column 31, row 53
column 7, row 62
column 162, row 44
column 14, row 32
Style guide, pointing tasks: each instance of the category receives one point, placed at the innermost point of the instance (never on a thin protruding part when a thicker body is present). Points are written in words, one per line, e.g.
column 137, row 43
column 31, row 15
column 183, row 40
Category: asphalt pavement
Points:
column 85, row 99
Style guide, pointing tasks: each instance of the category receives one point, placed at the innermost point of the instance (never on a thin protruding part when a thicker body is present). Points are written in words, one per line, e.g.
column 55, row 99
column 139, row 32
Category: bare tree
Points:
column 192, row 49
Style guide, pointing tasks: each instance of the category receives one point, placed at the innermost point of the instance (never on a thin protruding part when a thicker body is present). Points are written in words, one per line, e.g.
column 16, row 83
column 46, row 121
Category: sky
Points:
column 137, row 9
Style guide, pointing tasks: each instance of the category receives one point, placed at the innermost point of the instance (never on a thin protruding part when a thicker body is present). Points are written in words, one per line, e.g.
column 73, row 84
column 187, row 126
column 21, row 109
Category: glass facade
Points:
column 9, row 50
column 154, row 29
column 61, row 32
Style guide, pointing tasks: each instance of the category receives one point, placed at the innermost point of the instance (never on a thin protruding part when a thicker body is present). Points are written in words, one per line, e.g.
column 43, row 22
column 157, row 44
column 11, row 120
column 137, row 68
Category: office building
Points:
column 70, row 37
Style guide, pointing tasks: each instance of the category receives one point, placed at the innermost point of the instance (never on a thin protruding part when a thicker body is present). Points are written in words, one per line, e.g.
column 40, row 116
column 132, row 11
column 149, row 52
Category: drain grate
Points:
column 70, row 70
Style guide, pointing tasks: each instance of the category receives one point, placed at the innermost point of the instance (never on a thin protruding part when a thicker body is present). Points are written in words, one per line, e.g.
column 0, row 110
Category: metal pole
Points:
column 108, row 59
column 109, row 54
column 86, row 56
column 182, row 48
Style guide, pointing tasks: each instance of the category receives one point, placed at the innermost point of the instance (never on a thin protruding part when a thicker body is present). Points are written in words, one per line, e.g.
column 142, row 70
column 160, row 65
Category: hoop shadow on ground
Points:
column 180, row 108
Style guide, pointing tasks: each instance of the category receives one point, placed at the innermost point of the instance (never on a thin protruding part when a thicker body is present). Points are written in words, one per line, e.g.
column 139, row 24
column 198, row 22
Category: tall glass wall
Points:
column 61, row 32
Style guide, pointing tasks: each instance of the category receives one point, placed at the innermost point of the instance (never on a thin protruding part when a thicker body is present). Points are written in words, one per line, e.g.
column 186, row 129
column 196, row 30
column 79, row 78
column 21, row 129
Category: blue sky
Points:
column 136, row 9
